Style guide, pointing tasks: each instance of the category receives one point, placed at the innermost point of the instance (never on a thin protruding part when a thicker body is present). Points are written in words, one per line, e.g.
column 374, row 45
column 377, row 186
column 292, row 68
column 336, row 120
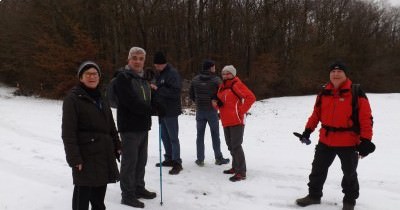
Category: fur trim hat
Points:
column 230, row 68
column 87, row 65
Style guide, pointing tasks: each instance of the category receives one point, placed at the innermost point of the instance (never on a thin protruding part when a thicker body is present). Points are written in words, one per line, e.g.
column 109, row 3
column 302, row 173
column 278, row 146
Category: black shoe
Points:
column 229, row 171
column 145, row 194
column 237, row 177
column 308, row 200
column 221, row 161
column 176, row 169
column 132, row 202
column 199, row 163
column 165, row 163
column 348, row 206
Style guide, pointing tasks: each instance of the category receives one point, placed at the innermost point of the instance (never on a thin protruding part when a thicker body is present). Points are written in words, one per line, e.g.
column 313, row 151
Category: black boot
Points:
column 132, row 202
column 308, row 200
column 176, row 168
column 165, row 163
column 143, row 193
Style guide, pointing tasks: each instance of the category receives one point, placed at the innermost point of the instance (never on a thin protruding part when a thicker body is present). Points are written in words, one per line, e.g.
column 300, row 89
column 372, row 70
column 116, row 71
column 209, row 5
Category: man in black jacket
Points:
column 168, row 96
column 134, row 122
column 203, row 89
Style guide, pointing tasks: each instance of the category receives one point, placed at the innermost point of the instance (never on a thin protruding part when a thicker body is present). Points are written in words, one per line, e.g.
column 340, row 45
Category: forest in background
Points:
column 279, row 47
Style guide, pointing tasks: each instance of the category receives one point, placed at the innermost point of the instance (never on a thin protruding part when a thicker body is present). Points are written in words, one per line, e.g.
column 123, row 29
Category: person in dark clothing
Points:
column 90, row 140
column 338, row 137
column 167, row 93
column 134, row 122
column 203, row 89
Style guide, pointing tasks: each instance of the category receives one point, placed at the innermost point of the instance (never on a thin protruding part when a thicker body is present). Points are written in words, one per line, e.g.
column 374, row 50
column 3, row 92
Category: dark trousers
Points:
column 234, row 140
column 133, row 162
column 202, row 118
column 170, row 139
column 83, row 195
column 323, row 159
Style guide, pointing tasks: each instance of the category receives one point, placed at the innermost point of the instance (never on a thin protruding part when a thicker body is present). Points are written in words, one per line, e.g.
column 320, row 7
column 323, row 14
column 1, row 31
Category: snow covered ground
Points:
column 34, row 174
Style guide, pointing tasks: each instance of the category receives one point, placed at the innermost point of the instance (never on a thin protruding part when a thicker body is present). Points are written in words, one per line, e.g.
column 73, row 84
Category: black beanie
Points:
column 159, row 58
column 207, row 64
column 87, row 65
column 338, row 65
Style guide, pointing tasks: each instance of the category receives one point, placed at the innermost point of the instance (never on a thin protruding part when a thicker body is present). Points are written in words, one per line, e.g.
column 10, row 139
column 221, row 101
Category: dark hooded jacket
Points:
column 90, row 138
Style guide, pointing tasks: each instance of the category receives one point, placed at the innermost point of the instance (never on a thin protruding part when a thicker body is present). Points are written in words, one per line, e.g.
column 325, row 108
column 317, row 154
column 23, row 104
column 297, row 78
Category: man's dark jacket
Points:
column 168, row 94
column 203, row 89
column 134, row 102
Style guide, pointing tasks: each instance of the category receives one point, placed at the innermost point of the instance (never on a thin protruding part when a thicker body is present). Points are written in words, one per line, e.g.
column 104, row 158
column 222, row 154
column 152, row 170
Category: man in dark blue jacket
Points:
column 203, row 89
column 167, row 93
column 134, row 122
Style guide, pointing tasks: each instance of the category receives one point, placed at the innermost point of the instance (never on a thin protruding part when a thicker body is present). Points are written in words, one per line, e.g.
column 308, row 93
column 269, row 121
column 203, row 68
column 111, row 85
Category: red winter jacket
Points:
column 236, row 100
column 334, row 109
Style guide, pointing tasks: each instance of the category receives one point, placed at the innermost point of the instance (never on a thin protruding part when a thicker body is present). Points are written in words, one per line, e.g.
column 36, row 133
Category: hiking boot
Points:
column 132, row 202
column 237, row 177
column 221, row 161
column 229, row 171
column 176, row 168
column 348, row 206
column 199, row 163
column 165, row 163
column 145, row 194
column 308, row 200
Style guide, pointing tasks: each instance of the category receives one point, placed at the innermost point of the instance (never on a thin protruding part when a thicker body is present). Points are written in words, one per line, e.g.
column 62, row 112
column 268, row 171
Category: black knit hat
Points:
column 207, row 64
column 338, row 65
column 159, row 58
column 87, row 65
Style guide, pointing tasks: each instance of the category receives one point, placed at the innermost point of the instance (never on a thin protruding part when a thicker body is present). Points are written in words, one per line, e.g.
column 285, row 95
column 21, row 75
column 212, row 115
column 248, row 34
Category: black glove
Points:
column 305, row 137
column 365, row 147
column 306, row 133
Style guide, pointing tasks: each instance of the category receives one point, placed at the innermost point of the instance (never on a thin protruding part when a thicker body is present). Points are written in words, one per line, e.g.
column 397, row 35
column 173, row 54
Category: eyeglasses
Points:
column 90, row 74
column 226, row 73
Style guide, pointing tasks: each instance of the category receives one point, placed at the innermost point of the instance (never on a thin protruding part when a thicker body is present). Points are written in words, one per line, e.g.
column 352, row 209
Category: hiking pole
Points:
column 159, row 147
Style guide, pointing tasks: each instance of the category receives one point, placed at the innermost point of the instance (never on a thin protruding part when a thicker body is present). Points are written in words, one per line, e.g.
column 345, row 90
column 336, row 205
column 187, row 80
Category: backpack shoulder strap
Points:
column 355, row 91
column 233, row 91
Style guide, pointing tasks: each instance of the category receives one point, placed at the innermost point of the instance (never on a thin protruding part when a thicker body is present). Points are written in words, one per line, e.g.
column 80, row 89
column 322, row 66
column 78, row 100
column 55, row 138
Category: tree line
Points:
column 279, row 47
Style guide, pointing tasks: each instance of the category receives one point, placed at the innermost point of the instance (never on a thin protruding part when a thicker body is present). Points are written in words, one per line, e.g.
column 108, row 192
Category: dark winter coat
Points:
column 335, row 110
column 203, row 89
column 90, row 138
column 134, row 97
column 168, row 94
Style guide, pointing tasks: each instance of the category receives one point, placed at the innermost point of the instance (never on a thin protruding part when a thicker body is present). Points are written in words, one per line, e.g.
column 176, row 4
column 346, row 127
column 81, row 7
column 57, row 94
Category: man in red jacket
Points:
column 339, row 136
column 234, row 100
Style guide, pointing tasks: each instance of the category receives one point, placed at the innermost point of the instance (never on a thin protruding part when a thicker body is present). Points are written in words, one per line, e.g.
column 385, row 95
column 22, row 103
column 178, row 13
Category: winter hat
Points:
column 87, row 65
column 207, row 64
column 338, row 65
column 230, row 68
column 159, row 58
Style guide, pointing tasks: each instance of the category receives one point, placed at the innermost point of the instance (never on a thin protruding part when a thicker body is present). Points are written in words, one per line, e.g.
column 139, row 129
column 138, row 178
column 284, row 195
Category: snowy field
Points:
column 34, row 174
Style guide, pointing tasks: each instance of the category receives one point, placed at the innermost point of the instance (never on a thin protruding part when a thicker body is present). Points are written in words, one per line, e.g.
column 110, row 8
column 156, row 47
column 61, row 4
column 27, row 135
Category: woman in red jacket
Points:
column 338, row 136
column 234, row 99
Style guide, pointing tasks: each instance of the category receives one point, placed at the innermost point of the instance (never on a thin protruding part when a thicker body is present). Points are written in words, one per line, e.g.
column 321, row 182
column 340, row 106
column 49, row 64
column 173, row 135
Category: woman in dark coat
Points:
column 90, row 139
